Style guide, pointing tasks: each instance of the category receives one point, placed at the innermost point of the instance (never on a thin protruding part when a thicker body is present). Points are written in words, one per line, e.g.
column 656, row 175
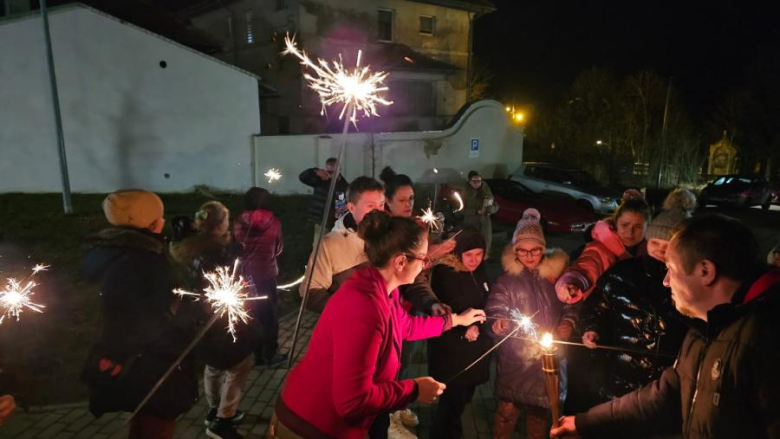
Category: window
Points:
column 250, row 33
column 427, row 25
column 385, row 25
column 281, row 5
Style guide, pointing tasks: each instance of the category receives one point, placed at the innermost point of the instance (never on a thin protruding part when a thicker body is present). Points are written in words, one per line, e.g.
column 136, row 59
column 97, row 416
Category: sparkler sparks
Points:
column 460, row 201
column 226, row 294
column 526, row 323
column 430, row 218
column 357, row 89
column 16, row 296
column 273, row 174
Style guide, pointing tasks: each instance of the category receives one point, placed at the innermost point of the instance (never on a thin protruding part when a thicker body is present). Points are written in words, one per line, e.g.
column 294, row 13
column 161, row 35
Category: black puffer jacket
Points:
column 724, row 384
column 630, row 308
column 202, row 253
column 451, row 352
column 140, row 332
column 310, row 178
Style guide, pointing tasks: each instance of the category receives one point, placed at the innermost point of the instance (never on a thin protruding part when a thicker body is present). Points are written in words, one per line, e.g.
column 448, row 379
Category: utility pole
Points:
column 663, row 135
column 66, row 203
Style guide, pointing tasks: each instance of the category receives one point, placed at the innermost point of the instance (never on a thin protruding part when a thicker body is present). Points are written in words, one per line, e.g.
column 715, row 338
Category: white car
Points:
column 578, row 184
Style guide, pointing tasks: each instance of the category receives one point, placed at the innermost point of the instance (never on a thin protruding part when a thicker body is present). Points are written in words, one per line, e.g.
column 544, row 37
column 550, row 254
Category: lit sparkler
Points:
column 273, row 174
column 430, row 218
column 292, row 284
column 16, row 296
column 460, row 200
column 357, row 89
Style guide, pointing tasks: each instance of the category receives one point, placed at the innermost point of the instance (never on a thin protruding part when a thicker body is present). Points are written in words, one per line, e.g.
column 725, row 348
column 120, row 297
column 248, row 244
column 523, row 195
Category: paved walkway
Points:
column 74, row 420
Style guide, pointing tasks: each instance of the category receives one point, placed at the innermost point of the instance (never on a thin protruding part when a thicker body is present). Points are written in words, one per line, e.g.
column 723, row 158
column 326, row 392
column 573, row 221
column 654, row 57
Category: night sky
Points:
column 537, row 48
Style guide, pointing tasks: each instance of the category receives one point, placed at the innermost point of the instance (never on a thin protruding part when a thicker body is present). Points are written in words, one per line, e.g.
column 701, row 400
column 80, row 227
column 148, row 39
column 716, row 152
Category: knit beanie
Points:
column 529, row 228
column 133, row 208
column 662, row 225
column 469, row 239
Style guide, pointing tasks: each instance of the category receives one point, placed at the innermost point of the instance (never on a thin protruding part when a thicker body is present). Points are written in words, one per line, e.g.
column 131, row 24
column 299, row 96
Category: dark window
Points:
column 412, row 98
column 427, row 25
column 281, row 5
column 385, row 25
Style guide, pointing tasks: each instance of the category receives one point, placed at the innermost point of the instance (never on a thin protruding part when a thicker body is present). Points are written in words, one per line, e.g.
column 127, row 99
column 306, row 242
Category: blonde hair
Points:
column 681, row 198
column 210, row 216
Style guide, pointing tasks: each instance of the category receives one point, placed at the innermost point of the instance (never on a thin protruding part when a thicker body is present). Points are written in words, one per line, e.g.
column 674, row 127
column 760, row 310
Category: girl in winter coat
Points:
column 527, row 286
column 228, row 361
column 615, row 239
column 460, row 281
column 258, row 234
column 349, row 373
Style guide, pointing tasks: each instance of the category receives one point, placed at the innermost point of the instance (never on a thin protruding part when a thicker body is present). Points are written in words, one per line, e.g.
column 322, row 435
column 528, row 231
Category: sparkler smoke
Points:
column 273, row 174
column 16, row 296
column 430, row 218
column 358, row 89
column 460, row 201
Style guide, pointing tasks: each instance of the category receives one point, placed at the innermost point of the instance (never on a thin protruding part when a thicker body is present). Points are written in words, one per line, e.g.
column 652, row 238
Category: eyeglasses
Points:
column 426, row 260
column 525, row 253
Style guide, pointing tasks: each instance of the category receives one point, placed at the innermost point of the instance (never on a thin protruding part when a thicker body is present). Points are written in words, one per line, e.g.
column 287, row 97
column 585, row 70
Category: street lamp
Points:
column 599, row 142
column 519, row 117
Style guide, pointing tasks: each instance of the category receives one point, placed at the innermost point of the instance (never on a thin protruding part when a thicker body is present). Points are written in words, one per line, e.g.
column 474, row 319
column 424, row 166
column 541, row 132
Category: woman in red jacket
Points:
column 348, row 374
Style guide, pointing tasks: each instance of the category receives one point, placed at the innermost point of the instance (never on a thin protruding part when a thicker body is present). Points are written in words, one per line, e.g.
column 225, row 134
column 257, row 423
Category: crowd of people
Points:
column 681, row 300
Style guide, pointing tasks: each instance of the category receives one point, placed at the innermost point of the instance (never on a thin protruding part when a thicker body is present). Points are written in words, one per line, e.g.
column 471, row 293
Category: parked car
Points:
column 560, row 213
column 543, row 177
column 737, row 191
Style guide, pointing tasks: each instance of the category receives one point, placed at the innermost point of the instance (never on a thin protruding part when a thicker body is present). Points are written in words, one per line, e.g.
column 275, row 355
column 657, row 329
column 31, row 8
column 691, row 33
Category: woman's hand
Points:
column 589, row 339
column 7, row 406
column 468, row 317
column 428, row 389
column 500, row 327
column 472, row 334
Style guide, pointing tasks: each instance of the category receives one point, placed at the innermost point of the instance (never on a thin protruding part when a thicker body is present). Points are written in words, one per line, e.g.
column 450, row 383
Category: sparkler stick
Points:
column 605, row 347
column 495, row 346
column 358, row 90
column 551, row 378
column 292, row 284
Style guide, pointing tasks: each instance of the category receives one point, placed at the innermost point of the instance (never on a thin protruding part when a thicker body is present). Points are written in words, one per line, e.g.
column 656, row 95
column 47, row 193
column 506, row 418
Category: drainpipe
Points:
column 471, row 56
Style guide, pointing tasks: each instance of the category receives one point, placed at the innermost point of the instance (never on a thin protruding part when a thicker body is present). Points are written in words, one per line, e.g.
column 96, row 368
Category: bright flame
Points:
column 226, row 294
column 547, row 340
column 428, row 217
column 357, row 89
column 16, row 295
column 460, row 201
column 273, row 174
column 526, row 323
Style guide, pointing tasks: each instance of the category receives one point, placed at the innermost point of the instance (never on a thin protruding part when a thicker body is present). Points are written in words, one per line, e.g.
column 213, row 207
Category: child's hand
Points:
column 500, row 327
column 472, row 334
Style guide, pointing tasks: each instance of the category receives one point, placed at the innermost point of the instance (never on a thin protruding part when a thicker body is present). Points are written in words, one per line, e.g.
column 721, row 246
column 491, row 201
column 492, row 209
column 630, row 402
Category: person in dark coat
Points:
column 460, row 281
column 631, row 308
column 724, row 383
column 258, row 234
column 228, row 359
column 143, row 331
column 319, row 180
column 528, row 287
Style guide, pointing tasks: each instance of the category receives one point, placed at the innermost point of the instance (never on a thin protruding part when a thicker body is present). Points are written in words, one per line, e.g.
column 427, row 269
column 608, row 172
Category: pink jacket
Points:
column 348, row 374
column 260, row 234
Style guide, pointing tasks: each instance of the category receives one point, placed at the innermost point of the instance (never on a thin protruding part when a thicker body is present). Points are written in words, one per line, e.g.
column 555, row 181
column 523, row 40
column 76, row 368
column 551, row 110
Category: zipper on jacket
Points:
column 698, row 375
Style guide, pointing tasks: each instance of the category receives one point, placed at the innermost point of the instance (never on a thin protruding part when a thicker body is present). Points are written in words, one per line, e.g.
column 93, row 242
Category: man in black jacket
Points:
column 724, row 383
column 319, row 179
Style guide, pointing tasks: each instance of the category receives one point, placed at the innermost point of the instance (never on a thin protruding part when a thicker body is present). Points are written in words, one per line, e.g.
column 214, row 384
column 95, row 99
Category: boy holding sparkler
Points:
column 142, row 334
column 528, row 287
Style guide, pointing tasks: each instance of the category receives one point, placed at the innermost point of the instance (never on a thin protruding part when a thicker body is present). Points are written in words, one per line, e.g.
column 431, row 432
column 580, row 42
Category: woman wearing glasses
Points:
column 348, row 374
column 528, row 287
column 459, row 280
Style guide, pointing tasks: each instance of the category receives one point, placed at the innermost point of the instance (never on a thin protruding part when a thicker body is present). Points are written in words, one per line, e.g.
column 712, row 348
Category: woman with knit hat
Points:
column 459, row 280
column 632, row 291
column 527, row 287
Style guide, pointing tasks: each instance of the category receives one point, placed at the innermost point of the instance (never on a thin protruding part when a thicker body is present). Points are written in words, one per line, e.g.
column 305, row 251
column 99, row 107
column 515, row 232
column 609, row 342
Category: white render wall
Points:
column 127, row 121
column 501, row 150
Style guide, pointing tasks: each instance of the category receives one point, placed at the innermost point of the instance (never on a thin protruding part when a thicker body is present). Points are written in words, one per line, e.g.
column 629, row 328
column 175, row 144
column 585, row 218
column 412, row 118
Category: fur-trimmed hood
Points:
column 554, row 261
column 453, row 262
column 127, row 237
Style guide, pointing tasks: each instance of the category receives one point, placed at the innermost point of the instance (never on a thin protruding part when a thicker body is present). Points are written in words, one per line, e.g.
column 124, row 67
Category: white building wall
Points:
column 127, row 121
column 500, row 150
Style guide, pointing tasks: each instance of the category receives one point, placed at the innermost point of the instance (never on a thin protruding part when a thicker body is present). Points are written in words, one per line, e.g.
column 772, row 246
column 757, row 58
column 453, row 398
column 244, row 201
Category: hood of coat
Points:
column 553, row 262
column 196, row 246
column 256, row 221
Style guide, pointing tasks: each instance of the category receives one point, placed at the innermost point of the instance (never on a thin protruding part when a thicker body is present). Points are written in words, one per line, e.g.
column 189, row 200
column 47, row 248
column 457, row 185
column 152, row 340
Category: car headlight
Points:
column 606, row 200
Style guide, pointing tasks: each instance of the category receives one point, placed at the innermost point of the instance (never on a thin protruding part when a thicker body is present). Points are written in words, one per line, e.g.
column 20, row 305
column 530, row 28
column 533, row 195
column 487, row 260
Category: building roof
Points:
column 402, row 57
column 481, row 7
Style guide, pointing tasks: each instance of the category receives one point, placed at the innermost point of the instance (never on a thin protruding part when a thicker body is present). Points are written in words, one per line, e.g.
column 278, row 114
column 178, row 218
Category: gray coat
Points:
column 532, row 293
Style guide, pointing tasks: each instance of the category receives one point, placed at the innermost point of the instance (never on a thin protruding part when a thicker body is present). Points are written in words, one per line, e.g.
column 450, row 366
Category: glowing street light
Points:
column 519, row 117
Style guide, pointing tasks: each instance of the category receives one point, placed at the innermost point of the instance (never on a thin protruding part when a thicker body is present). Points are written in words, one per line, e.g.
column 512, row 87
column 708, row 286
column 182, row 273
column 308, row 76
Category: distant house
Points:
column 426, row 45
column 138, row 110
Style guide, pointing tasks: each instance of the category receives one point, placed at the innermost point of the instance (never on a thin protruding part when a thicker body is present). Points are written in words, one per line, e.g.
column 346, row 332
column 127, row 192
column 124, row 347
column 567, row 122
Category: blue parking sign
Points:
column 474, row 152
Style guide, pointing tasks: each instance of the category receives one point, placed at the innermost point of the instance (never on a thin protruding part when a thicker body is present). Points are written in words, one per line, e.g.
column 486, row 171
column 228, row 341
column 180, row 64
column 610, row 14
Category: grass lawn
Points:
column 46, row 351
